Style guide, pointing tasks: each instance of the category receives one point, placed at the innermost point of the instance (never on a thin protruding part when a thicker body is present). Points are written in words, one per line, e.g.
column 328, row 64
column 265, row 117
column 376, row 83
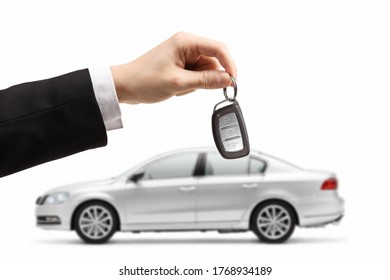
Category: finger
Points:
column 216, row 49
column 209, row 79
column 203, row 63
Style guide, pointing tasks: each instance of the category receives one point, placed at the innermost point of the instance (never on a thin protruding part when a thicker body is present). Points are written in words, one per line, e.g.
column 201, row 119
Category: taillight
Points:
column 330, row 184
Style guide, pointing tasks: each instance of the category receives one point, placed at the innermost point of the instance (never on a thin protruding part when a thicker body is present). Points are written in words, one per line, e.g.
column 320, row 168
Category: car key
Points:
column 229, row 130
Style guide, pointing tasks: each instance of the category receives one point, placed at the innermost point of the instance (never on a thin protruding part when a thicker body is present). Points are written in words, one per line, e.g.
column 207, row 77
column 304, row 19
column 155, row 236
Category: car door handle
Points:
column 250, row 186
column 187, row 189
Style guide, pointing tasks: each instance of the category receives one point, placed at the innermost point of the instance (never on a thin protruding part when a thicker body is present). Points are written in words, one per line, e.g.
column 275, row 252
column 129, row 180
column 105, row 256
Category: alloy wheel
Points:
column 273, row 221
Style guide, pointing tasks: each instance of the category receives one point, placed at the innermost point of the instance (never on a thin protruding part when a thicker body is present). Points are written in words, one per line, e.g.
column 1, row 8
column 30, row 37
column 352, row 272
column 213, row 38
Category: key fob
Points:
column 229, row 131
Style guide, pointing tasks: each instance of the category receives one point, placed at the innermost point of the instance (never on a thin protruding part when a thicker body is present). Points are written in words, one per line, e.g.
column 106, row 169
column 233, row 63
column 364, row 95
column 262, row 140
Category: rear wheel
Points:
column 273, row 222
column 96, row 222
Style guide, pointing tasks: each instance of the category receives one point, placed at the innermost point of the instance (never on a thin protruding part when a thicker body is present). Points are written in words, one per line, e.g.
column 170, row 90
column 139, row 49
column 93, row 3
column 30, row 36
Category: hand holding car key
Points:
column 229, row 130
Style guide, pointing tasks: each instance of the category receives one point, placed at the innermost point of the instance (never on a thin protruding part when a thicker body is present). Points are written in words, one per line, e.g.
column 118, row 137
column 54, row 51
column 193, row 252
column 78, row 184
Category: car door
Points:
column 226, row 189
column 164, row 198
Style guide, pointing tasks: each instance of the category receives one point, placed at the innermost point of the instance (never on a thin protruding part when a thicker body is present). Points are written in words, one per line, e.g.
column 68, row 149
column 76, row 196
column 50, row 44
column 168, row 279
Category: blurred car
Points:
column 196, row 189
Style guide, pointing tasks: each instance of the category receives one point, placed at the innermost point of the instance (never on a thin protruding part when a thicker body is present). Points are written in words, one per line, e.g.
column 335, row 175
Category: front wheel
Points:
column 273, row 222
column 95, row 222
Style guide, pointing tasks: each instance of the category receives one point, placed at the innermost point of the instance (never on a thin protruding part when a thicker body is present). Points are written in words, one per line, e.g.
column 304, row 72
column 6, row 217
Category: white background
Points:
column 313, row 86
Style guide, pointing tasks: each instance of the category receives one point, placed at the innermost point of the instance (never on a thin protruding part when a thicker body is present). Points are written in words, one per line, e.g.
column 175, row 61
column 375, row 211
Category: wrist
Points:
column 121, row 75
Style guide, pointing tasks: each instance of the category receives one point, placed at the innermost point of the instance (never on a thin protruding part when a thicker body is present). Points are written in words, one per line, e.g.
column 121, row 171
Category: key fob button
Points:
column 230, row 132
column 228, row 120
column 233, row 145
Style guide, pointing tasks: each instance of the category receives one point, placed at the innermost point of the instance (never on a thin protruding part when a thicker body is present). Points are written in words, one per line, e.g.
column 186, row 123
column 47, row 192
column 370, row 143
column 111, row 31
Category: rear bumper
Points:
column 320, row 211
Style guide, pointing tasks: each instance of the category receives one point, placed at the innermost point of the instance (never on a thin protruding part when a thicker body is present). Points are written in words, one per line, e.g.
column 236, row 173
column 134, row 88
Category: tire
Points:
column 96, row 222
column 273, row 221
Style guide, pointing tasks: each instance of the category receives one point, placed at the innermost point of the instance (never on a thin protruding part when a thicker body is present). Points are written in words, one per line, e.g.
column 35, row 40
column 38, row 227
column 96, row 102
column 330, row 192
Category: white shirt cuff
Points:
column 106, row 97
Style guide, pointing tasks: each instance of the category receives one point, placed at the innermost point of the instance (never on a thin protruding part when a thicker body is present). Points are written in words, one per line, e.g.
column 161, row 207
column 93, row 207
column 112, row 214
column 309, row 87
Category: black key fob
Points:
column 229, row 131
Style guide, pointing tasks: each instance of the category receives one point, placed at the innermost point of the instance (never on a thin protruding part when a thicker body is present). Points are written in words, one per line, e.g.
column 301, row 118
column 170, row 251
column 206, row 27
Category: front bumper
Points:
column 55, row 216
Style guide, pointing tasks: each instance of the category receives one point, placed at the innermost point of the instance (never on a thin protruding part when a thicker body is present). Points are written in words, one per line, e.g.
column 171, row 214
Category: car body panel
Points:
column 160, row 202
column 225, row 198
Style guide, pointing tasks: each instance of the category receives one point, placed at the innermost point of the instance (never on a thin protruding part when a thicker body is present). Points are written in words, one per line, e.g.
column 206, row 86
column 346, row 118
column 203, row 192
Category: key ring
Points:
column 229, row 99
column 235, row 90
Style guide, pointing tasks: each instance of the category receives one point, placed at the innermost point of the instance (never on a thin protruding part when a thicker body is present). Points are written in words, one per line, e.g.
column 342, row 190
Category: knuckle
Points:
column 205, row 80
column 222, row 45
column 180, row 36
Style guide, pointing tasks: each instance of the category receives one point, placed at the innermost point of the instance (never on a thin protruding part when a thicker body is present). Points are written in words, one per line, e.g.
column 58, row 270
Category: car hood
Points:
column 83, row 186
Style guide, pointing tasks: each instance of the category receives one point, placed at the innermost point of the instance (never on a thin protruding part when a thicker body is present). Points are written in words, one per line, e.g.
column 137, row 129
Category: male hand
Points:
column 178, row 66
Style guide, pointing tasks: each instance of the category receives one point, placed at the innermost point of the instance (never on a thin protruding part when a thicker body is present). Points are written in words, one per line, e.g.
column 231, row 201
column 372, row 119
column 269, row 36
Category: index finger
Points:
column 215, row 49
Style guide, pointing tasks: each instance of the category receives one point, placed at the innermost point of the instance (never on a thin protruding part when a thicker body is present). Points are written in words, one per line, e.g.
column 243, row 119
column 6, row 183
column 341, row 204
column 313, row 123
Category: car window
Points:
column 256, row 166
column 216, row 165
column 173, row 166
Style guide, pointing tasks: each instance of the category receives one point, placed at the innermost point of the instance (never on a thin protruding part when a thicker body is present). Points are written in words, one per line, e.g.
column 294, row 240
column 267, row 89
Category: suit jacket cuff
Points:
column 104, row 88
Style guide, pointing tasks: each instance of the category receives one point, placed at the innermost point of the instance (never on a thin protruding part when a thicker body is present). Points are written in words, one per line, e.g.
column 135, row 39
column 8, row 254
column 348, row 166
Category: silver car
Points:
column 196, row 189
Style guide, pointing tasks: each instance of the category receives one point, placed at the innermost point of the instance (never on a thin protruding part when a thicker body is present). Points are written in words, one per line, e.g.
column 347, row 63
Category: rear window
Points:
column 256, row 166
column 216, row 165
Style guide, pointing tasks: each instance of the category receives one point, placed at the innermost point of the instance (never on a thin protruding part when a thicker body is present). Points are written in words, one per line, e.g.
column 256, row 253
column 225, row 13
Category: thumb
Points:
column 208, row 79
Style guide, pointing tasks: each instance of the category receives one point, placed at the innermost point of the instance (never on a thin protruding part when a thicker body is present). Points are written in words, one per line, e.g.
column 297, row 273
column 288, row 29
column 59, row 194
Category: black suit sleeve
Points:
column 47, row 120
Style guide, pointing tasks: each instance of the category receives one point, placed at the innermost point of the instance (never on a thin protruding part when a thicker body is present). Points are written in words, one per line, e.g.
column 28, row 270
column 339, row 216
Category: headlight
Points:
column 56, row 198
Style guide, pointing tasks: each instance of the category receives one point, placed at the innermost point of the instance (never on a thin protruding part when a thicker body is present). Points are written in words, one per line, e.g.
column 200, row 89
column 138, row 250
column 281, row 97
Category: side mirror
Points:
column 137, row 175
